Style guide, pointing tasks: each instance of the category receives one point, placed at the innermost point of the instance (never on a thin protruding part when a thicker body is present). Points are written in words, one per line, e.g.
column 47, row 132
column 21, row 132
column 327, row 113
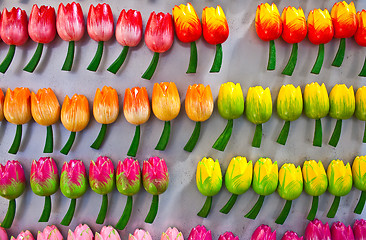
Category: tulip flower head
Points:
column 290, row 235
column 105, row 111
column 317, row 230
column 128, row 34
column 136, row 109
column 200, row 233
column 3, row 234
column 340, row 231
column 50, row 232
column 360, row 109
column 140, row 234
column 70, row 27
column 263, row 232
column 42, row 30
column 24, row 235
column 107, row 233
column 172, row 234
column 82, row 231
column 100, row 29
column 199, row 107
column 360, row 35
column 155, row 178
column 1, row 105
column 359, row 180
column 359, row 229
column 228, row 236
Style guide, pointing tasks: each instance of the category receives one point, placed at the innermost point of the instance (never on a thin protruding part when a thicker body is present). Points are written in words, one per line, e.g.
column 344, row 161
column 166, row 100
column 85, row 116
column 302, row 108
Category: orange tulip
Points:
column 360, row 35
column 136, row 108
column 1, row 105
column 17, row 110
column 166, row 107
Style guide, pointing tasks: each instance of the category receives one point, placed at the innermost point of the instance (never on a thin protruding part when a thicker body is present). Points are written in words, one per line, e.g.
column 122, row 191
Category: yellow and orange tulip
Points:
column 360, row 35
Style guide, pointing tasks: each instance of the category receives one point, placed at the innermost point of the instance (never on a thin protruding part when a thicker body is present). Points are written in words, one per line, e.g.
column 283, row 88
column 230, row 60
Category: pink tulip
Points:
column 316, row 230
column 70, row 22
column 140, row 234
column 340, row 232
column 82, row 232
column 359, row 229
column 264, row 232
column 3, row 234
column 172, row 234
column 228, row 236
column 200, row 233
column 23, row 236
column 107, row 233
column 290, row 235
column 50, row 232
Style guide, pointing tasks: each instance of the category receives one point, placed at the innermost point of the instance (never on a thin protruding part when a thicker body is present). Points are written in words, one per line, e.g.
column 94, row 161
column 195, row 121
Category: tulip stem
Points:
column 46, row 210
column 291, row 64
column 257, row 139
column 48, row 147
column 151, row 69
column 253, row 213
column 361, row 203
column 10, row 214
column 32, row 64
column 319, row 60
column 126, row 214
column 318, row 133
column 17, row 139
column 282, row 138
column 224, row 138
column 363, row 71
column 216, row 66
column 164, row 138
column 333, row 209
column 69, row 57
column 94, row 64
column 272, row 56
column 284, row 213
column 337, row 62
column 7, row 60
column 192, row 67
column 229, row 205
column 70, row 213
column 364, row 135
column 66, row 149
column 194, row 138
column 103, row 210
column 100, row 138
column 336, row 133
column 205, row 210
column 153, row 209
column 313, row 209
column 135, row 143
column 116, row 65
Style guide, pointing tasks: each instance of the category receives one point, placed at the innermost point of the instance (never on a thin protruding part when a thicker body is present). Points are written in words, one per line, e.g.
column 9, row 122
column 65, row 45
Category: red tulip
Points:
column 14, row 32
column 158, row 38
column 128, row 34
column 100, row 29
column 70, row 27
column 41, row 29
column 360, row 35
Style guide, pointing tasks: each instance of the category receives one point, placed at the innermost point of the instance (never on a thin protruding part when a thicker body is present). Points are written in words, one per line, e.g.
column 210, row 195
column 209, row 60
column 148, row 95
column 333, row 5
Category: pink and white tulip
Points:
column 82, row 232
column 129, row 28
column 42, row 24
column 107, row 233
column 14, row 26
column 172, row 234
column 140, row 234
column 50, row 232
column 70, row 22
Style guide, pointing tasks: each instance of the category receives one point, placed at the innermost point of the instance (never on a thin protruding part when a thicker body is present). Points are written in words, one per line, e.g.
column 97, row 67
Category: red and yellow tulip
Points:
column 360, row 36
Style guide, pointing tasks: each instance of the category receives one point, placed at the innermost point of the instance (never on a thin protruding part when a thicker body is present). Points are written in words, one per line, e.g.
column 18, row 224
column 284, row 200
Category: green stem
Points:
column 48, row 147
column 94, row 64
column 318, row 133
column 229, row 205
column 153, row 209
column 100, row 138
column 7, row 60
column 216, row 66
column 337, row 62
column 284, row 213
column 10, row 214
column 224, row 138
column 257, row 139
column 151, row 69
column 282, row 138
column 66, row 149
column 70, row 213
column 164, row 138
column 194, row 138
column 336, row 133
column 319, row 60
column 333, row 209
column 126, row 214
column 313, row 209
column 17, row 139
column 116, row 65
column 135, row 143
column 46, row 210
column 192, row 67
column 253, row 213
column 69, row 57
column 103, row 210
column 32, row 64
column 291, row 64
column 272, row 56
column 205, row 210
column 364, row 135
column 361, row 203
column 363, row 71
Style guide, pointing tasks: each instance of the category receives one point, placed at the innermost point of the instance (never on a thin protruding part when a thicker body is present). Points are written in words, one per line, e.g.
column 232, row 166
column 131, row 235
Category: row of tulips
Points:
column 289, row 182
column 70, row 26
column 343, row 22
column 45, row 181
column 19, row 106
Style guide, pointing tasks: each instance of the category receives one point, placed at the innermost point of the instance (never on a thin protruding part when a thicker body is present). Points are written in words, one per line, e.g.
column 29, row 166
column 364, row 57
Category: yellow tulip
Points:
column 105, row 105
column 360, row 110
column 359, row 179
